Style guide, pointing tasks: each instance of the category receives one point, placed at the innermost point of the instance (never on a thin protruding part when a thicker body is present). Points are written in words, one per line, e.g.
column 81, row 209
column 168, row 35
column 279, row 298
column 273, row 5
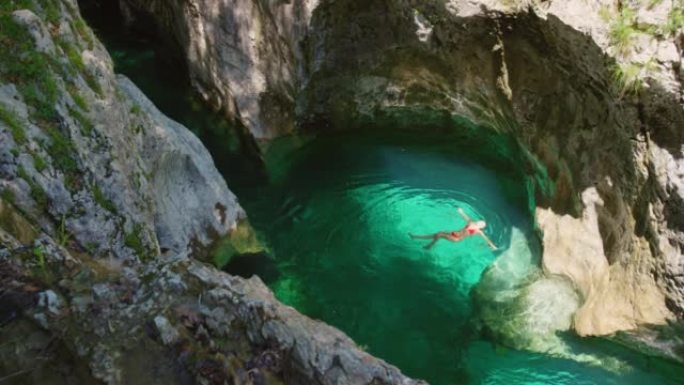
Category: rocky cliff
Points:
column 88, row 157
column 592, row 90
column 103, row 200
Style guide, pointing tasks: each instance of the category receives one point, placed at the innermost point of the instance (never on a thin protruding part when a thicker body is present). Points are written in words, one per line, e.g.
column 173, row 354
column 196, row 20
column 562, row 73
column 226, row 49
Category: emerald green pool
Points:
column 335, row 212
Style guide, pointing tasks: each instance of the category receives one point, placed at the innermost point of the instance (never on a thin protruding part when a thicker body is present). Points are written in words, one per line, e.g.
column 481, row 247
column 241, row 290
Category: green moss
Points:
column 39, row 163
column 51, row 10
column 102, row 200
column 15, row 152
column 37, row 192
column 85, row 125
column 82, row 29
column 675, row 21
column 61, row 150
column 7, row 6
column 75, row 59
column 628, row 77
column 134, row 241
column 63, row 236
column 29, row 69
column 77, row 97
column 623, row 29
column 8, row 117
column 242, row 240
column 7, row 195
column 40, row 258
column 92, row 247
column 135, row 109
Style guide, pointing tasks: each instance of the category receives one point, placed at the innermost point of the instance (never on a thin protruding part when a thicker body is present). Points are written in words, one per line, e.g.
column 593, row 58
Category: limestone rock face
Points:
column 614, row 297
column 191, row 200
column 106, row 170
column 181, row 321
column 241, row 54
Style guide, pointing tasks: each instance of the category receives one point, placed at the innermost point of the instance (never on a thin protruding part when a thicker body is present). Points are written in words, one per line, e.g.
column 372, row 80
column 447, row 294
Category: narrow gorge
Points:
column 234, row 191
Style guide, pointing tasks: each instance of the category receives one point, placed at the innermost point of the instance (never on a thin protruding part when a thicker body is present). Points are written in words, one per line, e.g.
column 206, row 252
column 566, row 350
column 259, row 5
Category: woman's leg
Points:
column 422, row 236
column 429, row 245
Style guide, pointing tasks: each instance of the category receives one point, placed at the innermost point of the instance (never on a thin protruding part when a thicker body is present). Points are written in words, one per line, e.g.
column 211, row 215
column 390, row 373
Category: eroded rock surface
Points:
column 175, row 320
column 98, row 164
column 242, row 55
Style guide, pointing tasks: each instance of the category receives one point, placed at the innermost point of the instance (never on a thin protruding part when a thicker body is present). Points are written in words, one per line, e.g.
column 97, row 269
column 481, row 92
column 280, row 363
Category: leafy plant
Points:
column 134, row 241
column 40, row 257
column 102, row 200
column 63, row 235
column 628, row 77
column 39, row 163
column 7, row 195
column 623, row 29
column 675, row 21
column 30, row 71
column 77, row 97
column 37, row 192
column 81, row 28
column 85, row 125
column 18, row 133
column 51, row 9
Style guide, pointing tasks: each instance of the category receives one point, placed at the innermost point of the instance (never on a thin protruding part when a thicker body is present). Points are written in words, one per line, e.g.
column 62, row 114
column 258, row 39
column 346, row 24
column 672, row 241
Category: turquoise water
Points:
column 336, row 212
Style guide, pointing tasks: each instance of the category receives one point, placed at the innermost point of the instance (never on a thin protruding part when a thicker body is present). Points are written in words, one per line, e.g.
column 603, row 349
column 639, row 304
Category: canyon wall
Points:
column 603, row 117
column 241, row 55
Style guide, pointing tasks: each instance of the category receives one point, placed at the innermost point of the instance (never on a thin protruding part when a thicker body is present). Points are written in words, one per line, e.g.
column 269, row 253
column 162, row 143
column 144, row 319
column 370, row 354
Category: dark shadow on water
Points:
column 162, row 76
column 249, row 265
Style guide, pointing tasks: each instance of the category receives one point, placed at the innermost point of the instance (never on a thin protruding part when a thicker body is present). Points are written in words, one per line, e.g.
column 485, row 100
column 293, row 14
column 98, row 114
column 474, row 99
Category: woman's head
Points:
column 480, row 224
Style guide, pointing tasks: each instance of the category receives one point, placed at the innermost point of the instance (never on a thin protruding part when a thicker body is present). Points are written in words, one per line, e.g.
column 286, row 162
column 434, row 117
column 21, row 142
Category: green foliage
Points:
column 102, row 200
column 73, row 54
column 627, row 77
column 8, row 117
column 7, row 195
column 622, row 30
column 675, row 21
column 134, row 241
column 82, row 29
column 39, row 163
column 75, row 58
column 76, row 96
column 135, row 109
column 37, row 192
column 83, row 122
column 7, row 6
column 63, row 235
column 40, row 257
column 61, row 150
column 29, row 69
column 91, row 247
column 51, row 10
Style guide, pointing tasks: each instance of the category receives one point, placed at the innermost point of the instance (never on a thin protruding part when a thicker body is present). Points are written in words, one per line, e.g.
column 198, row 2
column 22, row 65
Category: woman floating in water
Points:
column 471, row 228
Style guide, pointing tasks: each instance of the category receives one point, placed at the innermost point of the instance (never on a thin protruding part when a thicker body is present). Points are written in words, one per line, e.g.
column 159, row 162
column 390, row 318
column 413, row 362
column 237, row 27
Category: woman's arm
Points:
column 464, row 215
column 489, row 242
